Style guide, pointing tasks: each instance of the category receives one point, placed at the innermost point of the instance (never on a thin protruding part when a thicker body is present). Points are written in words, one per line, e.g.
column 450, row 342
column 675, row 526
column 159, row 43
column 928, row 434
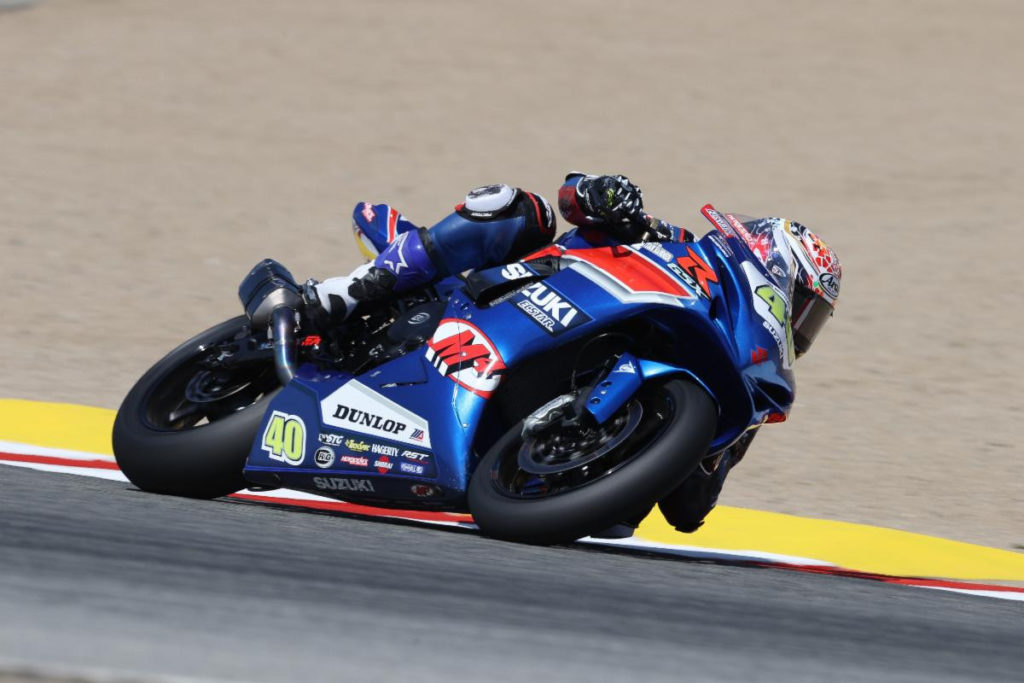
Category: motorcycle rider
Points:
column 498, row 224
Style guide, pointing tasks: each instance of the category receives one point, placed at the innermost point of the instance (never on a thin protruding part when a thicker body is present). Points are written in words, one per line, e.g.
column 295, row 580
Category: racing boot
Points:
column 624, row 529
column 405, row 264
column 375, row 226
column 687, row 506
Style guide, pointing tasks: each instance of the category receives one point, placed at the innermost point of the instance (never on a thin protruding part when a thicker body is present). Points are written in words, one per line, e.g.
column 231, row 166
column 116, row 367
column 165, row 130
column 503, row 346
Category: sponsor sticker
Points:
column 829, row 283
column 549, row 308
column 419, row 318
column 658, row 250
column 368, row 212
column 324, row 457
column 331, row 439
column 515, row 271
column 459, row 351
column 354, row 461
column 721, row 243
column 381, row 449
column 383, row 464
column 416, row 456
column 717, row 219
column 698, row 271
column 356, row 446
column 340, row 484
column 357, row 408
column 627, row 368
column 412, row 468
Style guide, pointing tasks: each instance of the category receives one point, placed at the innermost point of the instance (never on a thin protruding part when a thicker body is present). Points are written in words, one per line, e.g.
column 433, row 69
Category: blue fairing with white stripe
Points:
column 410, row 432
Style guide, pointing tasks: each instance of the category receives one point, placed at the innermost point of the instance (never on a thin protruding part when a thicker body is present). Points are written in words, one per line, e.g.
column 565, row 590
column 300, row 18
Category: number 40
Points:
column 285, row 438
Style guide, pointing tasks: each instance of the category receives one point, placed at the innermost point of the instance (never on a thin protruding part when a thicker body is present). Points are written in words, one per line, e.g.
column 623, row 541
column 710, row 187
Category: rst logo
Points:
column 549, row 308
column 462, row 353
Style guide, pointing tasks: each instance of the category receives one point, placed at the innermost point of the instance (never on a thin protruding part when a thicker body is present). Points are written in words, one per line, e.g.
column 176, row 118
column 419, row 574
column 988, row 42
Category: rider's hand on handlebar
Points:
column 613, row 199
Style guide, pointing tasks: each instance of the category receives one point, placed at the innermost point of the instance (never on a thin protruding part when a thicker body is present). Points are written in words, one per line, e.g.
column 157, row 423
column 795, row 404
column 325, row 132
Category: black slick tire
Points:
column 201, row 462
column 622, row 494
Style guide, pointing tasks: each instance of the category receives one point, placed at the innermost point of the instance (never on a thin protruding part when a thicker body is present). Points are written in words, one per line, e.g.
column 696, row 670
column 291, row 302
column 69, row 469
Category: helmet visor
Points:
column 810, row 313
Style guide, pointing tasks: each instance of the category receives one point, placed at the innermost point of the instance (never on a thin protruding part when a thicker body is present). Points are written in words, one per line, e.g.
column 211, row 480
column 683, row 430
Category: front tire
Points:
column 185, row 433
column 678, row 424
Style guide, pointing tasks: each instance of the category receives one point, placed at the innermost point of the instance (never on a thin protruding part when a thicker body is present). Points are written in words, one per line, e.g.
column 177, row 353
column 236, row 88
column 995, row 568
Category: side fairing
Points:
column 390, row 434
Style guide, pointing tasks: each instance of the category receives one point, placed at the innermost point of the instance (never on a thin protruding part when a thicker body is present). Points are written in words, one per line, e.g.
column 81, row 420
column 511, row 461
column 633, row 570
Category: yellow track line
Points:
column 851, row 546
column 57, row 425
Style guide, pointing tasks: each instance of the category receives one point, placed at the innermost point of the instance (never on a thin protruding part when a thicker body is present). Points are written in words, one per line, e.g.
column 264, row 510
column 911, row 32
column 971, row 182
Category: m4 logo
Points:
column 464, row 354
column 284, row 438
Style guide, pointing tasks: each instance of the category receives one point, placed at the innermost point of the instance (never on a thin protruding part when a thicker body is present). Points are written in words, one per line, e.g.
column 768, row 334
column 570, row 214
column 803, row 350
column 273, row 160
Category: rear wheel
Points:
column 570, row 481
column 187, row 425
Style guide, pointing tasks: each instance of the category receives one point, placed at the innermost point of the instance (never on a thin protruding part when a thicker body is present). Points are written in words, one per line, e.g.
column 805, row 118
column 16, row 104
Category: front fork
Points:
column 601, row 400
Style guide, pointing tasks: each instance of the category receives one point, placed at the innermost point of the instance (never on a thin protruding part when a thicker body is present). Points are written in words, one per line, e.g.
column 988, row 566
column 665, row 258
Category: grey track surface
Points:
column 95, row 575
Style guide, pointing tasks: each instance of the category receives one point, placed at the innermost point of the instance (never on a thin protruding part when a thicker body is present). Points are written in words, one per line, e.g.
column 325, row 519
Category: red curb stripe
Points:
column 67, row 462
column 886, row 578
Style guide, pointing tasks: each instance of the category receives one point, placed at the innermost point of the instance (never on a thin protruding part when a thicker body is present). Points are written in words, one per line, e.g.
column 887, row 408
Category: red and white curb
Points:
column 104, row 467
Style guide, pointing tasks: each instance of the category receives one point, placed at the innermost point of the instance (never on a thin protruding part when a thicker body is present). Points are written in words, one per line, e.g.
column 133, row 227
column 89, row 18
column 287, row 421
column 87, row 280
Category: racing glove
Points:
column 612, row 199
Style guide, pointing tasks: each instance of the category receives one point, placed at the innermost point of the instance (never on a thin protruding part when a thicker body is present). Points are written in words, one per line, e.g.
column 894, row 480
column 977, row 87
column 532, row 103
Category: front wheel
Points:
column 570, row 482
column 187, row 425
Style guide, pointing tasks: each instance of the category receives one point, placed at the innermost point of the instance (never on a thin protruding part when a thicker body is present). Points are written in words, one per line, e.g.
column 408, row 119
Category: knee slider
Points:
column 489, row 201
column 503, row 201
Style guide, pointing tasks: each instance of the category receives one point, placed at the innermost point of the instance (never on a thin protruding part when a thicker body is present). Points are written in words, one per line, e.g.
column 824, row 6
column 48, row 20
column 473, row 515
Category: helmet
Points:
column 815, row 286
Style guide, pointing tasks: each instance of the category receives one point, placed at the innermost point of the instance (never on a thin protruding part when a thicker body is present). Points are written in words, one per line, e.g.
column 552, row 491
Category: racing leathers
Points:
column 495, row 224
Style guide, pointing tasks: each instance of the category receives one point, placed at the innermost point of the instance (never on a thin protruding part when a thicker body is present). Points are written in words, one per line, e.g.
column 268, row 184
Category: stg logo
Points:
column 464, row 354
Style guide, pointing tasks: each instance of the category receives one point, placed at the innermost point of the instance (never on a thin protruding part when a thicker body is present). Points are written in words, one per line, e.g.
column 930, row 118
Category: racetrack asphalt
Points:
column 96, row 576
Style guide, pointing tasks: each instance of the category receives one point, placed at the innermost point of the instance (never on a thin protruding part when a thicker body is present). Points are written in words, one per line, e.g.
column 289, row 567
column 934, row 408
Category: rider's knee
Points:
column 495, row 224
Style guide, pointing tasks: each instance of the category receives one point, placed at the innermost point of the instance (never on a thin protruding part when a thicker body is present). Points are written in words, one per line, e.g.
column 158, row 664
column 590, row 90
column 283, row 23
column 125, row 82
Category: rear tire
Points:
column 624, row 492
column 194, row 460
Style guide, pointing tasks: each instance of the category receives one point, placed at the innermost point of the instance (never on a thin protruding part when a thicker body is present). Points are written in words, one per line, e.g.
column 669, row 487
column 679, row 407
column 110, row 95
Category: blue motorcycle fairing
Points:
column 712, row 302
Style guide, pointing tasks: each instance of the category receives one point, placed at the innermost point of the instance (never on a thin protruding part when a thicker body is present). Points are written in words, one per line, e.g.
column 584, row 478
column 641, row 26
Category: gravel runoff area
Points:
column 152, row 151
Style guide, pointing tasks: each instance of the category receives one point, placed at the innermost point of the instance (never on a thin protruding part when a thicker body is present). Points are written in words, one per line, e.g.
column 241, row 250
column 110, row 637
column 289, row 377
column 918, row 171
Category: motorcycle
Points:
column 551, row 398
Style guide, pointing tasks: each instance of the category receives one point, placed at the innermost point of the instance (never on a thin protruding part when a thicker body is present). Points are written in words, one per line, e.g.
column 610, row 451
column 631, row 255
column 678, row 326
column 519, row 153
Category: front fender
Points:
column 618, row 386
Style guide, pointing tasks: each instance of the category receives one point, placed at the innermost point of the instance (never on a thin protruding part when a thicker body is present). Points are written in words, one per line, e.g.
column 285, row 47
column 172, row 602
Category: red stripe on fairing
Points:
column 392, row 224
column 352, row 508
column 98, row 464
column 635, row 272
column 551, row 250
